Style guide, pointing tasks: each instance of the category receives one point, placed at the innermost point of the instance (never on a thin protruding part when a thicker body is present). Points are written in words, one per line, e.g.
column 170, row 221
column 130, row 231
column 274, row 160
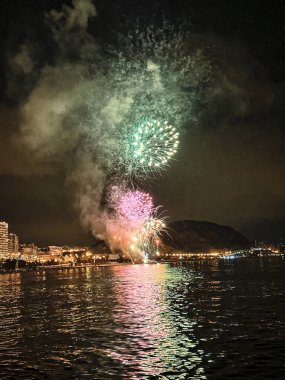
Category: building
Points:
column 13, row 244
column 4, row 238
column 29, row 252
column 55, row 252
column 74, row 249
column 28, row 249
column 113, row 257
column 43, row 255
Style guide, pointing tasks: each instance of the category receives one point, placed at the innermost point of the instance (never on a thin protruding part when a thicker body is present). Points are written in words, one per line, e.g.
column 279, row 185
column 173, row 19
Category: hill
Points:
column 201, row 236
column 192, row 236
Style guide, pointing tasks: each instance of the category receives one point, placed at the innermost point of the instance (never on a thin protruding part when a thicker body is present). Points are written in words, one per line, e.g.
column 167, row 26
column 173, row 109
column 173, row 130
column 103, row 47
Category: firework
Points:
column 133, row 225
column 149, row 234
column 149, row 146
column 151, row 229
column 135, row 206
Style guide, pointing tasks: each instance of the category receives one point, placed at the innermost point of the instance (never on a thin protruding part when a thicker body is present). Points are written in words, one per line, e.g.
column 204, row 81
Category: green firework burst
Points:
column 149, row 146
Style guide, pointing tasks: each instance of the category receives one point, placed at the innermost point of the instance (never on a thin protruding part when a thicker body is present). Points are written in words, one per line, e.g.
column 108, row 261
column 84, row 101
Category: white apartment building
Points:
column 4, row 249
column 13, row 244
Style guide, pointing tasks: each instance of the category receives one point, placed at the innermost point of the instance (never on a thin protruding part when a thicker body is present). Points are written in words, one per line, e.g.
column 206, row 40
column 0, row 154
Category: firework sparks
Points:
column 152, row 228
column 150, row 232
column 149, row 146
column 131, row 205
column 135, row 206
column 134, row 224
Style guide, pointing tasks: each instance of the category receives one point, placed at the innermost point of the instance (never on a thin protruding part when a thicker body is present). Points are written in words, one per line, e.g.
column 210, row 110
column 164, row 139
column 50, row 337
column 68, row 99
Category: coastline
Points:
column 111, row 264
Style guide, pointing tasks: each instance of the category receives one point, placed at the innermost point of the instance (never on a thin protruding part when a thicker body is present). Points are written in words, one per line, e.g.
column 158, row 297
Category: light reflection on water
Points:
column 204, row 320
column 160, row 341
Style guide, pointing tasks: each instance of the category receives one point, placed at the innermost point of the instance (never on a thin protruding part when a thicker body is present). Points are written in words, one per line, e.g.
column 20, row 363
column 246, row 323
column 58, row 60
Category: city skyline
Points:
column 10, row 242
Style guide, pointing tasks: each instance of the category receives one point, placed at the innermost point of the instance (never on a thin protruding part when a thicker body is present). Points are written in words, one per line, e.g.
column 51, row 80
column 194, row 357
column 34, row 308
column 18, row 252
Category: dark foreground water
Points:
column 204, row 320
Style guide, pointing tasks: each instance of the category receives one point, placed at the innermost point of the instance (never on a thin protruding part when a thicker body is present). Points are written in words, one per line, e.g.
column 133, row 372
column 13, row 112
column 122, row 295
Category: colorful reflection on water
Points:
column 160, row 341
column 204, row 320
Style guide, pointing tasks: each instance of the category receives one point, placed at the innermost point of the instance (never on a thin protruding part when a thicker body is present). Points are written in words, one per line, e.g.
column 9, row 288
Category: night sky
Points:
column 230, row 165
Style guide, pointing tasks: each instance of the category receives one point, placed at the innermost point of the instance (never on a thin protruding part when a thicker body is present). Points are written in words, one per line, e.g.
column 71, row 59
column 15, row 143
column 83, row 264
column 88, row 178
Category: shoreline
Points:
column 111, row 264
column 57, row 267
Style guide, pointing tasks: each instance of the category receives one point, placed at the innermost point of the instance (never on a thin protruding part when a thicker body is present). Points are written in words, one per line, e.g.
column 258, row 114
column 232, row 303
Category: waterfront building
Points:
column 29, row 252
column 4, row 239
column 113, row 257
column 13, row 244
column 74, row 249
column 28, row 249
column 55, row 252
column 43, row 255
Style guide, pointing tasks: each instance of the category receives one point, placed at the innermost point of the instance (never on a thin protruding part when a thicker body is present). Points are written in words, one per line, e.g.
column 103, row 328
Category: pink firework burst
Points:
column 135, row 206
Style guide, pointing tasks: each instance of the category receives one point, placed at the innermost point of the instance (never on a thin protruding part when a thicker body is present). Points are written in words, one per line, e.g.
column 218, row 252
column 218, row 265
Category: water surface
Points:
column 202, row 320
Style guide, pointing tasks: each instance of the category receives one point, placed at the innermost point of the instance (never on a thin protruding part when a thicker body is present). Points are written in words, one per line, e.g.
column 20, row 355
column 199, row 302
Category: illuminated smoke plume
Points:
column 79, row 110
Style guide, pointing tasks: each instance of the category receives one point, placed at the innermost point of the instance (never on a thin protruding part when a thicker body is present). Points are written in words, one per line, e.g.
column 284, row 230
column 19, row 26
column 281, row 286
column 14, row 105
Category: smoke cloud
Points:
column 76, row 16
column 74, row 116
column 57, row 125
column 79, row 103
